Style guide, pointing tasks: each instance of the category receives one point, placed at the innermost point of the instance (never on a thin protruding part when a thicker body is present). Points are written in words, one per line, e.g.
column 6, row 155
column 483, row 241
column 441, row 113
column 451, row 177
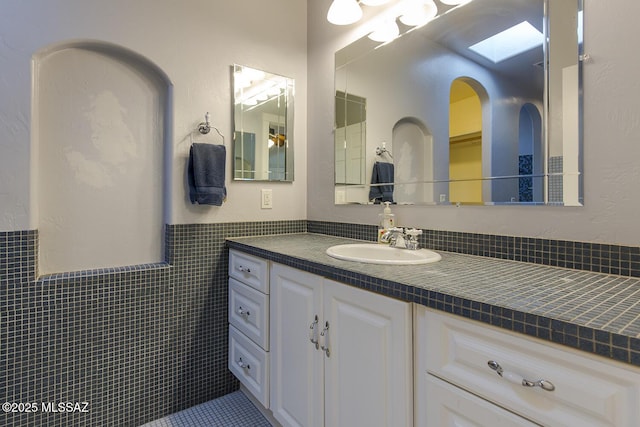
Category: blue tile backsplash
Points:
column 141, row 342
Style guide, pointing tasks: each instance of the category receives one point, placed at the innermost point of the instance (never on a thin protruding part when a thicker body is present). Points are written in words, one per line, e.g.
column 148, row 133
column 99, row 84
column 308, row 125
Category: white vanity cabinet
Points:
column 457, row 383
column 340, row 356
column 249, row 323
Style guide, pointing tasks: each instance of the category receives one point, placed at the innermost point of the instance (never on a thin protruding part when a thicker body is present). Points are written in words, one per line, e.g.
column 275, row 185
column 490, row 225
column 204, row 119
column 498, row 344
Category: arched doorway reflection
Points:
column 465, row 143
column 530, row 164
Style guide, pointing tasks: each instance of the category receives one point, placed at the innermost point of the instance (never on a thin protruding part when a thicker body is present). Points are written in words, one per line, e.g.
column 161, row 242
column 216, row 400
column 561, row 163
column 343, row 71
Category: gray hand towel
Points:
column 382, row 173
column 206, row 173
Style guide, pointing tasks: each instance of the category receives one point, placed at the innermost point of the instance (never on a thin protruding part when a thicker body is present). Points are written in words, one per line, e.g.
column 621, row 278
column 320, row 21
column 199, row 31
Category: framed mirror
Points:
column 263, row 125
column 463, row 110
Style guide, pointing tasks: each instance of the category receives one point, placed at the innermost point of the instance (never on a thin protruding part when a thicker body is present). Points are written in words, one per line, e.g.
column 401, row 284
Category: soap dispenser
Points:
column 386, row 221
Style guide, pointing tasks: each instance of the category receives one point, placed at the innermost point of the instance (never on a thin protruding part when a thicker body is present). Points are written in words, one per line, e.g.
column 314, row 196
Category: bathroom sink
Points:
column 374, row 253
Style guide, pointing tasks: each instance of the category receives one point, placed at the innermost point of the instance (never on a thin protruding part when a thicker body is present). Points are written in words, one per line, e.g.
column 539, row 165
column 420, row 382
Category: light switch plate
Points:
column 266, row 198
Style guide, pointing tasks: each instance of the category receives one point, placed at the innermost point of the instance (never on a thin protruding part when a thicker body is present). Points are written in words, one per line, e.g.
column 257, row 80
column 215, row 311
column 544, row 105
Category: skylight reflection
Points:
column 509, row 43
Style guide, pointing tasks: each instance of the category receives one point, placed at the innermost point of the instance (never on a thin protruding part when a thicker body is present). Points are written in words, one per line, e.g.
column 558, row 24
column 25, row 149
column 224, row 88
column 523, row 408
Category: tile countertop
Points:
column 593, row 312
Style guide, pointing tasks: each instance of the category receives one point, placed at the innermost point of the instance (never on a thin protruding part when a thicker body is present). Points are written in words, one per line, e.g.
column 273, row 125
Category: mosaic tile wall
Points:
column 134, row 343
column 18, row 256
column 525, row 184
column 556, row 193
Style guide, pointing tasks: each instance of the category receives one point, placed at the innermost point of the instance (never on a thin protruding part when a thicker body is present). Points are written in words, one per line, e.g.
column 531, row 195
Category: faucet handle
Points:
column 413, row 238
column 413, row 232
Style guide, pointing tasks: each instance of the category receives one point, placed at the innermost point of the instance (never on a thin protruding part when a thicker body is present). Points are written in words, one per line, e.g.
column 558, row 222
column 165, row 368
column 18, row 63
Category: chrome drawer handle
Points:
column 243, row 313
column 244, row 269
column 313, row 332
column 517, row 379
column 243, row 365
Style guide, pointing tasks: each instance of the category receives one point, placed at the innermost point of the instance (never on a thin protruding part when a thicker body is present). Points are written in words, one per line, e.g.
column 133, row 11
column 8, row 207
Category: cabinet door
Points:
column 296, row 364
column 449, row 406
column 368, row 371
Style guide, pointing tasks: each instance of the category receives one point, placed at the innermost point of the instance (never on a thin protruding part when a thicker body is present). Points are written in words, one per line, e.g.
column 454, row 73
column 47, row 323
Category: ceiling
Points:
column 461, row 27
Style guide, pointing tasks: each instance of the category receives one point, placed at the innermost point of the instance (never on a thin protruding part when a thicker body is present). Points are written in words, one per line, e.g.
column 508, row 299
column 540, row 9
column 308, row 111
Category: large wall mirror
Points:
column 263, row 125
column 481, row 105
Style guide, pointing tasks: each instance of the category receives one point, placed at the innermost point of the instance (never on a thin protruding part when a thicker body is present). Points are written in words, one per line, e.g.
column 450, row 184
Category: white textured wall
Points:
column 611, row 140
column 194, row 42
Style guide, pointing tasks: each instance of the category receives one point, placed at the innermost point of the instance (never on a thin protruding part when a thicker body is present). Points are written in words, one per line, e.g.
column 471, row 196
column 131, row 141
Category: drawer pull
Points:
column 243, row 269
column 242, row 313
column 243, row 365
column 324, row 337
column 517, row 379
column 313, row 332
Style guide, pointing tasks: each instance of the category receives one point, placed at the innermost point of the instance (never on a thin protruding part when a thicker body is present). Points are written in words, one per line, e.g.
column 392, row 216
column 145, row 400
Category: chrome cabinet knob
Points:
column 242, row 313
column 242, row 364
column 243, row 269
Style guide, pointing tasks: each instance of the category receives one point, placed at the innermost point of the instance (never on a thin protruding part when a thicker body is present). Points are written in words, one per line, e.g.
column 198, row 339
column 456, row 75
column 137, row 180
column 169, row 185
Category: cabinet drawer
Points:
column 589, row 391
column 249, row 312
column 250, row 270
column 250, row 364
column 447, row 405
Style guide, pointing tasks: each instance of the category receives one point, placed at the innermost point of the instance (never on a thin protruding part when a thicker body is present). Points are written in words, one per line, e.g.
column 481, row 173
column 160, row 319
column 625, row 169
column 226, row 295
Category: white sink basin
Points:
column 374, row 253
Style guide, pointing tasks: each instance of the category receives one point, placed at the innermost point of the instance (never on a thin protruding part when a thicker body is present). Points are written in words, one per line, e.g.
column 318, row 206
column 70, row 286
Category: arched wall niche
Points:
column 101, row 135
column 413, row 154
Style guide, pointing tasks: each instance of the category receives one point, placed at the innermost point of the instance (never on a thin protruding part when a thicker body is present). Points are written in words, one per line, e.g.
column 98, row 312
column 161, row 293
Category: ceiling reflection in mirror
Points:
column 482, row 105
column 263, row 125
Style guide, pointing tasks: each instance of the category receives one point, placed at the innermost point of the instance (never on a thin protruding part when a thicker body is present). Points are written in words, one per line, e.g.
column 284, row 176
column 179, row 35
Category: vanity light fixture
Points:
column 344, row 12
column 386, row 32
column 419, row 13
column 247, row 77
column 374, row 2
column 454, row 2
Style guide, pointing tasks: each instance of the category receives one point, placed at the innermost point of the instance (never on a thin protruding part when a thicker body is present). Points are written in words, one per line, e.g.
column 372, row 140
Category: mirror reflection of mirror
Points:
column 351, row 118
column 263, row 125
column 466, row 125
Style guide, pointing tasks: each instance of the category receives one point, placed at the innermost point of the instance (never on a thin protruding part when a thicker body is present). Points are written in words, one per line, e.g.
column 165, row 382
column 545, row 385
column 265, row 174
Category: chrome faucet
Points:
column 398, row 237
column 392, row 235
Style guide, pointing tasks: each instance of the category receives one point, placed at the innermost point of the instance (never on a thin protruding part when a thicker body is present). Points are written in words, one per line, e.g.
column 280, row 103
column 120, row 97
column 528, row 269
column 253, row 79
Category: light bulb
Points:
column 344, row 12
column 374, row 2
column 419, row 13
column 386, row 32
column 454, row 2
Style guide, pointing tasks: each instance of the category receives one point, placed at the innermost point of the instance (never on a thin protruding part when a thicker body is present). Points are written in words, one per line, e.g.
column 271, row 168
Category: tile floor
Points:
column 232, row 410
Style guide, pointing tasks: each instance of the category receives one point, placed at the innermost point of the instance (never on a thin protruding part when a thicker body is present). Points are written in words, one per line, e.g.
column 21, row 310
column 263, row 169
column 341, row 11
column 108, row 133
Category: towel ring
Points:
column 205, row 127
column 383, row 150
